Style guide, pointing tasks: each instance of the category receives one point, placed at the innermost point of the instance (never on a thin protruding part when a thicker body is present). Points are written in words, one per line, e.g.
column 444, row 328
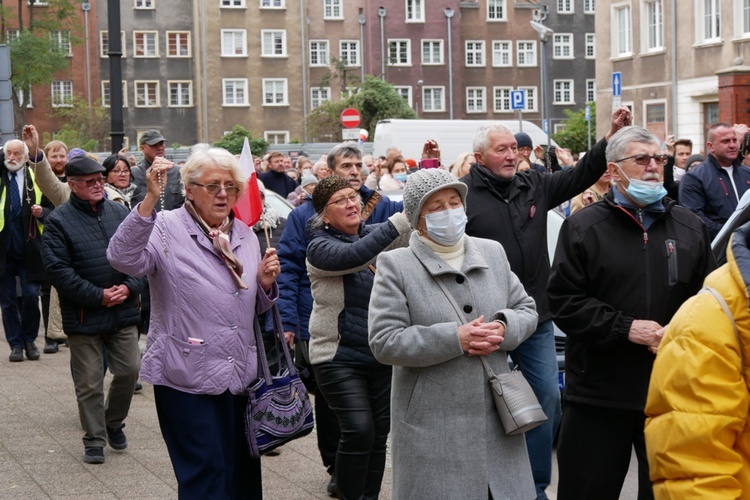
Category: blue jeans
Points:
column 20, row 326
column 536, row 359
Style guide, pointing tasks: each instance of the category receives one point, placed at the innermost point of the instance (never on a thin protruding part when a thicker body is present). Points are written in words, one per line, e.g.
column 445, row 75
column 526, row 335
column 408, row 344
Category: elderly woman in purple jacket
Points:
column 207, row 283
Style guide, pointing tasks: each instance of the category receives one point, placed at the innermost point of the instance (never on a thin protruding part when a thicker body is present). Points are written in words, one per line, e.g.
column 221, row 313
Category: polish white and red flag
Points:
column 249, row 208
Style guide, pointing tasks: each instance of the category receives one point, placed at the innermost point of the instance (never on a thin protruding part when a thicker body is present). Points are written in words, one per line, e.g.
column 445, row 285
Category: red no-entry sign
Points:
column 350, row 118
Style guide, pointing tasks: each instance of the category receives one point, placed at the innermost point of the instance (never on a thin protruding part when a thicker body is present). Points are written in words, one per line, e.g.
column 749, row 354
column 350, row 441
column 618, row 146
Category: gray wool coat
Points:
column 446, row 437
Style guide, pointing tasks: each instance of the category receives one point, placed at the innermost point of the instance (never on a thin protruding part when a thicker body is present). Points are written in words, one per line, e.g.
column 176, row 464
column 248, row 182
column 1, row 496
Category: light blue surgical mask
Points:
column 644, row 192
column 400, row 177
column 446, row 227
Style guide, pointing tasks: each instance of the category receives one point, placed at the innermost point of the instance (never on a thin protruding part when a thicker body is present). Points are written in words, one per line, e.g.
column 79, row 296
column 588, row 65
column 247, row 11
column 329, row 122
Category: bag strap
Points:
column 723, row 303
column 278, row 333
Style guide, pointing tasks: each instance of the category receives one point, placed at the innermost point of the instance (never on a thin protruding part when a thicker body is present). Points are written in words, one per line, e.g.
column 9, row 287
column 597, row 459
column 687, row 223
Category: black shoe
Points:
column 332, row 489
column 32, row 352
column 116, row 438
column 50, row 346
column 94, row 455
column 138, row 387
column 16, row 354
column 273, row 453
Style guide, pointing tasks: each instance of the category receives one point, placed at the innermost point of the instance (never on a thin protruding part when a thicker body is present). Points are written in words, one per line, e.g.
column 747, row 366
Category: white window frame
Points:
column 492, row 11
column 284, row 91
column 704, row 36
column 532, row 98
column 333, row 9
column 399, row 41
column 433, row 43
column 563, row 43
column 62, row 39
column 188, row 39
column 650, row 102
column 565, row 7
column 652, row 29
column 622, row 34
column 589, row 6
column 558, row 86
column 268, row 133
column 501, row 103
column 558, row 127
column 38, row 3
column 441, row 103
column 270, row 51
column 345, row 51
column 590, row 90
column 475, row 55
column 229, row 50
column 414, row 11
column 144, row 4
column 232, row 4
column 498, row 52
column 408, row 97
column 476, row 100
column 156, row 44
column 19, row 96
column 189, row 84
column 323, row 95
column 64, row 90
column 242, row 82
column 105, row 89
column 526, row 52
column 12, row 35
column 104, row 43
column 136, row 83
column 273, row 4
column 320, row 50
column 741, row 15
column 590, row 39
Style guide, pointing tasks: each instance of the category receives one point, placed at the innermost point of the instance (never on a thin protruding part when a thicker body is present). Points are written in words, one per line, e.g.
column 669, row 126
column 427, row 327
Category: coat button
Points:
column 460, row 279
column 230, row 359
column 468, row 309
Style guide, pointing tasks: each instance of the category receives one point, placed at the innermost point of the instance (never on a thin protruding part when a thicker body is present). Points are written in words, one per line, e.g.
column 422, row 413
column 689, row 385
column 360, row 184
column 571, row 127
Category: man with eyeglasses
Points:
column 295, row 300
column 713, row 188
column 622, row 268
column 99, row 305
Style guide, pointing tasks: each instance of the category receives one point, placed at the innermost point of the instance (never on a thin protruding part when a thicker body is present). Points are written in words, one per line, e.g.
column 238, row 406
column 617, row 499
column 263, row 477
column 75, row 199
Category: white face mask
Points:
column 446, row 227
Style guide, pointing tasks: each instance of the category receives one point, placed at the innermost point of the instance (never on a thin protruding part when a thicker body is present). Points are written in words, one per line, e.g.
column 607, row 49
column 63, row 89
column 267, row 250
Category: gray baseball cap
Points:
column 152, row 137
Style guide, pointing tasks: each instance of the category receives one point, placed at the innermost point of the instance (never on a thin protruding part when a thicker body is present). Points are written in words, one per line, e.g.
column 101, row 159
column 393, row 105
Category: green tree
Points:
column 375, row 100
column 86, row 127
column 346, row 75
column 234, row 140
column 575, row 134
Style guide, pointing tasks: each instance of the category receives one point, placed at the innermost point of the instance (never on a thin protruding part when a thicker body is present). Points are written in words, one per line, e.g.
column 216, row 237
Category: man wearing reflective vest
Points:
column 21, row 228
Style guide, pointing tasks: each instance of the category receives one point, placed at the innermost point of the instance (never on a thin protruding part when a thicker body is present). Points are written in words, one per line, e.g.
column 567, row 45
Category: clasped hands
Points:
column 115, row 295
column 479, row 338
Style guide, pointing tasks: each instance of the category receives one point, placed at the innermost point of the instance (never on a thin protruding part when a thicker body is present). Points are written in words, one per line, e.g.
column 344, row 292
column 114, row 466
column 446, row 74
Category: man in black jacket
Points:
column 276, row 179
column 511, row 208
column 99, row 305
column 622, row 268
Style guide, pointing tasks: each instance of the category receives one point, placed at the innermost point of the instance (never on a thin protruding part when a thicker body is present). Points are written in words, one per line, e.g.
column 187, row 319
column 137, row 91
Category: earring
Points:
column 326, row 226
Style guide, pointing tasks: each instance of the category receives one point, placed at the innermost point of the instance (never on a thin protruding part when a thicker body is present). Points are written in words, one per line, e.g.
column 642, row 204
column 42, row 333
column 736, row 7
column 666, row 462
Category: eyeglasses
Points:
column 89, row 182
column 214, row 189
column 644, row 159
column 120, row 172
column 342, row 202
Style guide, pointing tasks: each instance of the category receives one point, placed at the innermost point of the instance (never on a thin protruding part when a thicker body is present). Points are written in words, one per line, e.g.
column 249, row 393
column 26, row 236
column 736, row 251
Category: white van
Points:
column 453, row 136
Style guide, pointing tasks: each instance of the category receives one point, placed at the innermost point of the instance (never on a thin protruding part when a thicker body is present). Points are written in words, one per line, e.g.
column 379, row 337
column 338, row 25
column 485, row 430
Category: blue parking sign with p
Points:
column 517, row 99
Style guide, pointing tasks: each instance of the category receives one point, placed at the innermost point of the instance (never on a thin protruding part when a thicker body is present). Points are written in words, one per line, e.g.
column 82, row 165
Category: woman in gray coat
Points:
column 447, row 439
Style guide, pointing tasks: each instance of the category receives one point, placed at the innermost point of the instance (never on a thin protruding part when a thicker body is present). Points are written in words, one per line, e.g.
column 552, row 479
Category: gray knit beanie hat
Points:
column 327, row 188
column 424, row 183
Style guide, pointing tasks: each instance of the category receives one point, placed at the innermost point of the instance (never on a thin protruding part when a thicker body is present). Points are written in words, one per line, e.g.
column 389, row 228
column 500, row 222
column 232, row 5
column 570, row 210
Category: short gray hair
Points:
column 202, row 156
column 482, row 136
column 345, row 149
column 617, row 145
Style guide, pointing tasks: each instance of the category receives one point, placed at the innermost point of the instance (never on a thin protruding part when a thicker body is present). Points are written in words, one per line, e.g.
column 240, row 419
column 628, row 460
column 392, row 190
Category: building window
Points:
column 349, row 52
column 19, row 96
column 590, row 90
column 180, row 94
column 104, row 43
column 144, row 4
column 62, row 93
column 622, row 38
column 708, row 13
column 405, row 92
column 496, row 10
column 399, row 52
column 563, row 92
column 564, row 6
column 743, row 17
column 432, row 52
column 590, row 45
column 319, row 95
column 61, row 41
column 501, row 100
column 656, row 118
column 414, row 11
column 37, row 3
column 272, row 4
column 475, row 53
column 178, row 44
column 234, row 92
column 562, row 46
column 233, row 43
column 274, row 92
column 106, row 99
column 273, row 43
column 147, row 94
column 476, row 100
column 526, row 51
column 333, row 9
column 654, row 29
column 530, row 99
column 502, row 53
column 276, row 136
column 145, row 44
column 319, row 53
column 235, row 4
column 12, row 35
column 433, row 99
column 589, row 6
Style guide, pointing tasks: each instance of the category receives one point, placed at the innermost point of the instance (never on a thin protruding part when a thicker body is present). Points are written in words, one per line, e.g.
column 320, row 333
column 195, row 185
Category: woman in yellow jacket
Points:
column 698, row 433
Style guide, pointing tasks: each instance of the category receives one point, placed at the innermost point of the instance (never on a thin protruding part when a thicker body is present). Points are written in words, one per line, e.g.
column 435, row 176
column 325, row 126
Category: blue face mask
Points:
column 400, row 177
column 446, row 227
column 644, row 192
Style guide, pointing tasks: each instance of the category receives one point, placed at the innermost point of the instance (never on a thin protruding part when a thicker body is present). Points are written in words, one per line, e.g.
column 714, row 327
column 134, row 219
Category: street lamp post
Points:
column 381, row 13
column 545, row 35
column 448, row 15
column 362, row 21
column 117, row 133
column 418, row 96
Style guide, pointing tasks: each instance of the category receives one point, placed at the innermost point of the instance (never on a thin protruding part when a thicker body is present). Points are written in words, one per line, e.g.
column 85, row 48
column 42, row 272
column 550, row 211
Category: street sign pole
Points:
column 588, row 126
column 520, row 120
column 518, row 102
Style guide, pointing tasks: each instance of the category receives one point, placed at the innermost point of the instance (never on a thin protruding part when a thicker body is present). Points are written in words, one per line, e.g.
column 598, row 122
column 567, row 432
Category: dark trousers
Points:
column 205, row 437
column 594, row 449
column 360, row 398
column 21, row 324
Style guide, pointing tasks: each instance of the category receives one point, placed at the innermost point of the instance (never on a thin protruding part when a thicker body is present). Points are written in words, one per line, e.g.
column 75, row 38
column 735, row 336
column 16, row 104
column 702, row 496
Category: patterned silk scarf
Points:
column 220, row 239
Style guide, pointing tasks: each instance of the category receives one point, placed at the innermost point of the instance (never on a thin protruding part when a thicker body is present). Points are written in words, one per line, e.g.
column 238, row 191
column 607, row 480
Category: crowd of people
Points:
column 390, row 305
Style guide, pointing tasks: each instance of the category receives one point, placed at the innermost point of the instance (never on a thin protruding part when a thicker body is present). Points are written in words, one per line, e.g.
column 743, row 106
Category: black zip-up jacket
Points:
column 520, row 223
column 608, row 271
column 75, row 253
